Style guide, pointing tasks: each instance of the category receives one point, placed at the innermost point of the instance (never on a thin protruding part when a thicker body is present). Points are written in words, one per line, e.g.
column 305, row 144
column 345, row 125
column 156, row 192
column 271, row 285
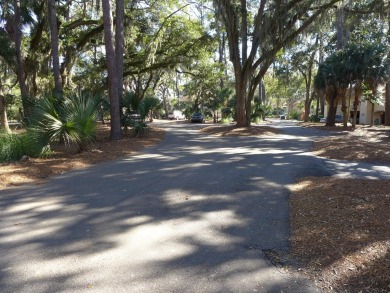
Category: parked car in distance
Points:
column 197, row 118
column 176, row 114
column 338, row 119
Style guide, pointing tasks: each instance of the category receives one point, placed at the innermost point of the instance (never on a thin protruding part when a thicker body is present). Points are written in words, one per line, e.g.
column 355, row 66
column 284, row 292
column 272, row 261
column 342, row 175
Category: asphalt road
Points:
column 193, row 214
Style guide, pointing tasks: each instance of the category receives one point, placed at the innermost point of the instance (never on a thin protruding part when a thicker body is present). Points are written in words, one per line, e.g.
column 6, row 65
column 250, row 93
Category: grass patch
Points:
column 14, row 146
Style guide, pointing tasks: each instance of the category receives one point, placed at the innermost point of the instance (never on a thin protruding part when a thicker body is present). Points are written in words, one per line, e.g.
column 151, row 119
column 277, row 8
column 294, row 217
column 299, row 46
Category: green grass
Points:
column 14, row 146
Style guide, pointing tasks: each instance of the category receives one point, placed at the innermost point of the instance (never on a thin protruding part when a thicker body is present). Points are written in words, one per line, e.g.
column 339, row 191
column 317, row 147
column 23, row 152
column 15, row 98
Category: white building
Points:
column 365, row 109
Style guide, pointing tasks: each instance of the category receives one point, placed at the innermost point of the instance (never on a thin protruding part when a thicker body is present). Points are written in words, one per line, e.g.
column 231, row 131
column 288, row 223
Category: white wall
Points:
column 365, row 112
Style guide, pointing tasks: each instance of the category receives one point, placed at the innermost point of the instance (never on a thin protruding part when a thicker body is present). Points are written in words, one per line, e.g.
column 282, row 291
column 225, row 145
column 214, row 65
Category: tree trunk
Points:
column 340, row 27
column 308, row 106
column 164, row 100
column 3, row 115
column 249, row 101
column 241, row 116
column 372, row 114
column 317, row 107
column 374, row 92
column 19, row 61
column 112, row 71
column 307, row 97
column 244, row 31
column 262, row 98
column 387, row 104
column 177, row 88
column 349, row 104
column 356, row 102
column 309, row 77
column 344, row 107
column 54, row 46
column 221, row 59
column 119, row 43
column 333, row 100
column 321, row 96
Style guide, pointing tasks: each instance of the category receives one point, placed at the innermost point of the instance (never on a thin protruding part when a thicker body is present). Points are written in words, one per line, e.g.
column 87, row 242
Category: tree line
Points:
column 184, row 49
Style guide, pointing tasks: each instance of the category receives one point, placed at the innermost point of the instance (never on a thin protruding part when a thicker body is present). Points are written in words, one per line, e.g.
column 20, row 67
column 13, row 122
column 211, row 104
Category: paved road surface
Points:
column 193, row 214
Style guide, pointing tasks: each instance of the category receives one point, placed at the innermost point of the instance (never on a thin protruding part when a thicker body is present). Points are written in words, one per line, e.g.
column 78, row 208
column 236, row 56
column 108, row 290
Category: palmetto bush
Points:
column 149, row 103
column 136, row 110
column 66, row 119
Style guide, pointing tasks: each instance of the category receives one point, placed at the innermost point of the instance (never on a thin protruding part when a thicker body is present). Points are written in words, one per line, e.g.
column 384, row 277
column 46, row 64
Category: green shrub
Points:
column 226, row 120
column 65, row 119
column 148, row 104
column 295, row 115
column 256, row 119
column 11, row 147
column 140, row 128
column 14, row 146
column 313, row 118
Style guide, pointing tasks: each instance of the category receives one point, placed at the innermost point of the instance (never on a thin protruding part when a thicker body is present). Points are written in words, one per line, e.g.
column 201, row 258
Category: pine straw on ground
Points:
column 365, row 144
column 63, row 159
column 341, row 227
column 341, row 233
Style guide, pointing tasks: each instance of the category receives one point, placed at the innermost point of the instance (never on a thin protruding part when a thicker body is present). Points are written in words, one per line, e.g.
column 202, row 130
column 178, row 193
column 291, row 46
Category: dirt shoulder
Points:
column 63, row 159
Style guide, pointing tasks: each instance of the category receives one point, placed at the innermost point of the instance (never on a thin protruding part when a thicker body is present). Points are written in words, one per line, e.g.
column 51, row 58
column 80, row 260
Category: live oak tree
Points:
column 153, row 42
column 274, row 25
column 157, row 48
column 288, row 86
column 303, row 60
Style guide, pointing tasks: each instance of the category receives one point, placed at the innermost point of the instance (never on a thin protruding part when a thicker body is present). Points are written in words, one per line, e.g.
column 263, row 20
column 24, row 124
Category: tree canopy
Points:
column 191, row 51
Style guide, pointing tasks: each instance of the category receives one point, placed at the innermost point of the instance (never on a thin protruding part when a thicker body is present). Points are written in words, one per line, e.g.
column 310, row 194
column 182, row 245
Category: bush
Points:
column 294, row 115
column 65, row 119
column 14, row 146
column 227, row 115
column 313, row 118
column 226, row 120
column 140, row 128
column 256, row 119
